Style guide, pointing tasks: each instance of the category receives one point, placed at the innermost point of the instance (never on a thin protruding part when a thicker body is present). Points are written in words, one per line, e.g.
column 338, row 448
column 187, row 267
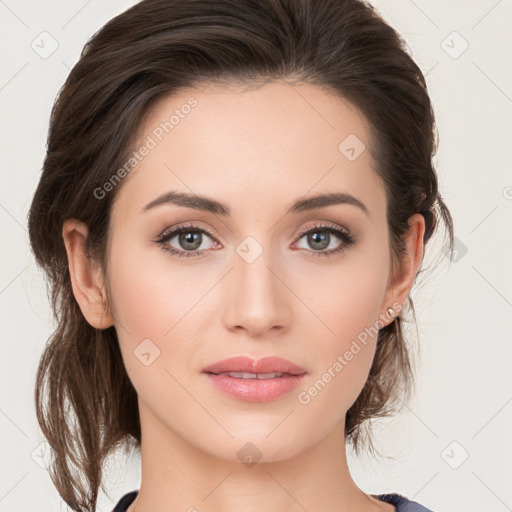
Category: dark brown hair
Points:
column 86, row 405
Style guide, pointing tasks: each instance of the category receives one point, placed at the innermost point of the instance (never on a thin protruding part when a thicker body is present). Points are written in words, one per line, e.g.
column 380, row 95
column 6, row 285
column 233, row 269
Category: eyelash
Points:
column 347, row 239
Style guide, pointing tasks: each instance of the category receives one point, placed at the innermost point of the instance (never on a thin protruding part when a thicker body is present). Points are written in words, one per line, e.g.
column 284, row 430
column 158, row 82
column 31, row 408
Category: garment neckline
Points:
column 391, row 498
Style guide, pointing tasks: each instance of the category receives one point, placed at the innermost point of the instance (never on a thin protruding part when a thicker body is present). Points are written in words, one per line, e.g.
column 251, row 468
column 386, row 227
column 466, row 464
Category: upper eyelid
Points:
column 180, row 227
column 323, row 225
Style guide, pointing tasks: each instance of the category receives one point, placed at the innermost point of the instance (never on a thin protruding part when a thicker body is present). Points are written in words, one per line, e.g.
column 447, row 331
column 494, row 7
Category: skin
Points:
column 257, row 151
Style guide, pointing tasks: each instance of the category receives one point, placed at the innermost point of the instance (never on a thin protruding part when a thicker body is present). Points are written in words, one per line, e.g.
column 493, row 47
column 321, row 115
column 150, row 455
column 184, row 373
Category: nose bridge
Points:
column 258, row 302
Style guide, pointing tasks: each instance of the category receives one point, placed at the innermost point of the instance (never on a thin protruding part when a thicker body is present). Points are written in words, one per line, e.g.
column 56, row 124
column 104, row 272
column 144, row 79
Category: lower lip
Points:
column 255, row 390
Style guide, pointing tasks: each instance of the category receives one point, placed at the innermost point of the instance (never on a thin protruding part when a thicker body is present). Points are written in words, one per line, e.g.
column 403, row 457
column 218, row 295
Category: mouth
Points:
column 269, row 379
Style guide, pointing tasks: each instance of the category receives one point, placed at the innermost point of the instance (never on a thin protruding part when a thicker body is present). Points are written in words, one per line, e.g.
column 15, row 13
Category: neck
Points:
column 177, row 476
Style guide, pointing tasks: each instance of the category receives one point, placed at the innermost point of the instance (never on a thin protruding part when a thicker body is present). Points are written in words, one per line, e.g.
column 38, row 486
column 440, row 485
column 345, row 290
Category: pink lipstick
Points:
column 252, row 380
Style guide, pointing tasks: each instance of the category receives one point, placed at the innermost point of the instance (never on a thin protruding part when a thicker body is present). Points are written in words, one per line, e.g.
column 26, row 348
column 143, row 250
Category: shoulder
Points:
column 125, row 502
column 401, row 503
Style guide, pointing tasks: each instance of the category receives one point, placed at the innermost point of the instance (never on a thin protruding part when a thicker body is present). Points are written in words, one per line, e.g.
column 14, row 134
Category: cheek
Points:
column 344, row 298
column 153, row 304
column 346, row 302
column 159, row 308
column 150, row 294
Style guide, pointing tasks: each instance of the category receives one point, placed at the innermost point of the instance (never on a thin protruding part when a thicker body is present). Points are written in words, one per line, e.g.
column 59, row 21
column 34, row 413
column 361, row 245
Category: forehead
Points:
column 255, row 147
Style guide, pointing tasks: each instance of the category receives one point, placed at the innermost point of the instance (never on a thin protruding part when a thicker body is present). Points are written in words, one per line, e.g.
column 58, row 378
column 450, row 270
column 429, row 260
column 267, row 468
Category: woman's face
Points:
column 247, row 282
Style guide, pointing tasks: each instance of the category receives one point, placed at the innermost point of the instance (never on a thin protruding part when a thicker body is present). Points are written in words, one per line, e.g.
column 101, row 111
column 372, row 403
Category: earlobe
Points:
column 85, row 275
column 402, row 282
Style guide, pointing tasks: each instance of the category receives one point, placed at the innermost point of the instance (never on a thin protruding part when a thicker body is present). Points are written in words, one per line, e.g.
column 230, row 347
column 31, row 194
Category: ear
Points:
column 86, row 279
column 402, row 278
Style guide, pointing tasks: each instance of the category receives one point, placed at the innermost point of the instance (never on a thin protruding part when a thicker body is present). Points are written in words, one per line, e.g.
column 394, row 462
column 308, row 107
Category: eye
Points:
column 189, row 237
column 320, row 237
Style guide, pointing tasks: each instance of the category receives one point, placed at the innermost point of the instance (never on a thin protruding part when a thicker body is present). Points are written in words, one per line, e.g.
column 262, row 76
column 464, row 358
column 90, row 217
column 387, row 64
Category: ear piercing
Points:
column 390, row 313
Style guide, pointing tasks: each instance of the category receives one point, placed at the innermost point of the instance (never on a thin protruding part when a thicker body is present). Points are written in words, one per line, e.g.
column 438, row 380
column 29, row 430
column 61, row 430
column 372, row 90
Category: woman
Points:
column 234, row 207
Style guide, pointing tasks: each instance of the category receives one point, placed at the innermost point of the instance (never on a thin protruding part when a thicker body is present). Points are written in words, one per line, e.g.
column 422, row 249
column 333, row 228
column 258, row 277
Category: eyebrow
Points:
column 207, row 204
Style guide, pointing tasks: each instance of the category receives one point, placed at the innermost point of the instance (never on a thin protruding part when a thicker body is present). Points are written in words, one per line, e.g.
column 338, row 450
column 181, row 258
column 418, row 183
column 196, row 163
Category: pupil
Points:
column 190, row 237
column 315, row 238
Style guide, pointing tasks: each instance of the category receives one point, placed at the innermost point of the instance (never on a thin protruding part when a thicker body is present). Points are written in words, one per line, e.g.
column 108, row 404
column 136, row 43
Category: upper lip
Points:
column 246, row 364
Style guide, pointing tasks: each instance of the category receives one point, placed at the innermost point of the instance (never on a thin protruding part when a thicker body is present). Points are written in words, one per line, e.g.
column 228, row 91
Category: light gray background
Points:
column 462, row 407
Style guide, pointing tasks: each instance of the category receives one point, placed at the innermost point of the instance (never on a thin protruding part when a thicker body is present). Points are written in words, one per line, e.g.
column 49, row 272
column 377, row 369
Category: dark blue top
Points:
column 401, row 503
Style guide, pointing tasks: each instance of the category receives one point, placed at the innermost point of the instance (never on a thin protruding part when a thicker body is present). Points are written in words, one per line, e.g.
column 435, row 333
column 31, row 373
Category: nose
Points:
column 257, row 298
